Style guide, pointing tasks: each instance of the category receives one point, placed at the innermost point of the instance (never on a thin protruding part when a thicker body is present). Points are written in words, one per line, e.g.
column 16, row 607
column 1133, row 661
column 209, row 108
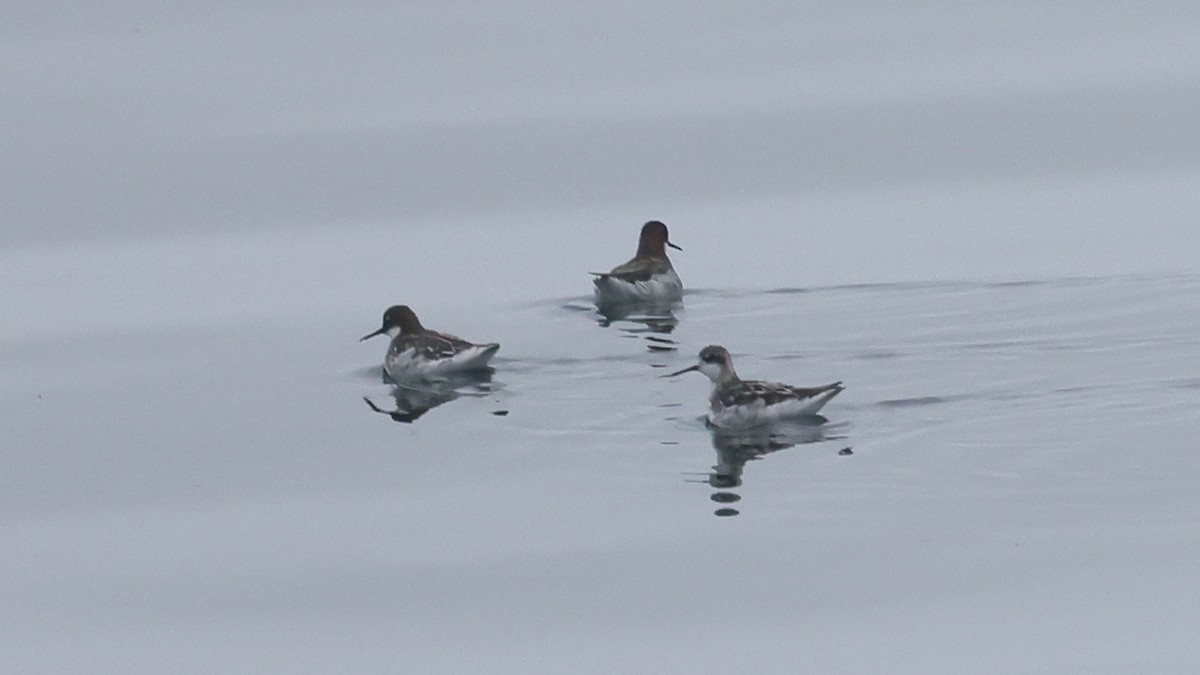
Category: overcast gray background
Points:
column 1061, row 135
column 202, row 208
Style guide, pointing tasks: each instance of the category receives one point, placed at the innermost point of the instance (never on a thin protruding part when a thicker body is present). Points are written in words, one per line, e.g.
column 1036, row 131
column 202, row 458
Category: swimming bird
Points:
column 741, row 404
column 648, row 277
column 419, row 353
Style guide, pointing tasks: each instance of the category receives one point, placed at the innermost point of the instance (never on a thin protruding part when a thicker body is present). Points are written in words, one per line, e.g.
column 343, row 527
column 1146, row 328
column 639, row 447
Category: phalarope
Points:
column 419, row 353
column 741, row 404
column 648, row 277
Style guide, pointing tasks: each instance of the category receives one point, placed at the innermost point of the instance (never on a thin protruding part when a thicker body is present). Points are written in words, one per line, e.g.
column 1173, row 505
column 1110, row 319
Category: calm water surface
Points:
column 205, row 207
column 1019, row 454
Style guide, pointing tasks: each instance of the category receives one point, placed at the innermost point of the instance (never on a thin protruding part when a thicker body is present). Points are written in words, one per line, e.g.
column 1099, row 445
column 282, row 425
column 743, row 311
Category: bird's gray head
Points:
column 397, row 320
column 654, row 239
column 715, row 362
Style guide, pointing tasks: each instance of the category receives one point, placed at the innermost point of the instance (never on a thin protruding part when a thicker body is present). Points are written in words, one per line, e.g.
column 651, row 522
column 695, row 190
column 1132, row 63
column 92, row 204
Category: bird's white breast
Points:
column 663, row 286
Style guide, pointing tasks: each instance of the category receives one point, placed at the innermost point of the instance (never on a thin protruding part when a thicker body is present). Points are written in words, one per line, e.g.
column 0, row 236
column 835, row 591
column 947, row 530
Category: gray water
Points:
column 1021, row 477
column 980, row 217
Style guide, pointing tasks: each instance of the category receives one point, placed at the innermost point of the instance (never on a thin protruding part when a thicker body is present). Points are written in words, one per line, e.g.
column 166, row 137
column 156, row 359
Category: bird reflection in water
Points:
column 650, row 321
column 735, row 449
column 411, row 400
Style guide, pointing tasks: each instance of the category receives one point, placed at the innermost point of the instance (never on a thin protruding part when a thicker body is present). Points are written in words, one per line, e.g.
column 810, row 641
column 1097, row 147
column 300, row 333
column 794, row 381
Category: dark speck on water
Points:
column 913, row 401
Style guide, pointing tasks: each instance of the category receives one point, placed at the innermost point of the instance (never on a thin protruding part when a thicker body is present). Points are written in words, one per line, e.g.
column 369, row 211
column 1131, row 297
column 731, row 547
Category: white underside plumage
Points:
column 410, row 365
column 758, row 413
column 661, row 287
